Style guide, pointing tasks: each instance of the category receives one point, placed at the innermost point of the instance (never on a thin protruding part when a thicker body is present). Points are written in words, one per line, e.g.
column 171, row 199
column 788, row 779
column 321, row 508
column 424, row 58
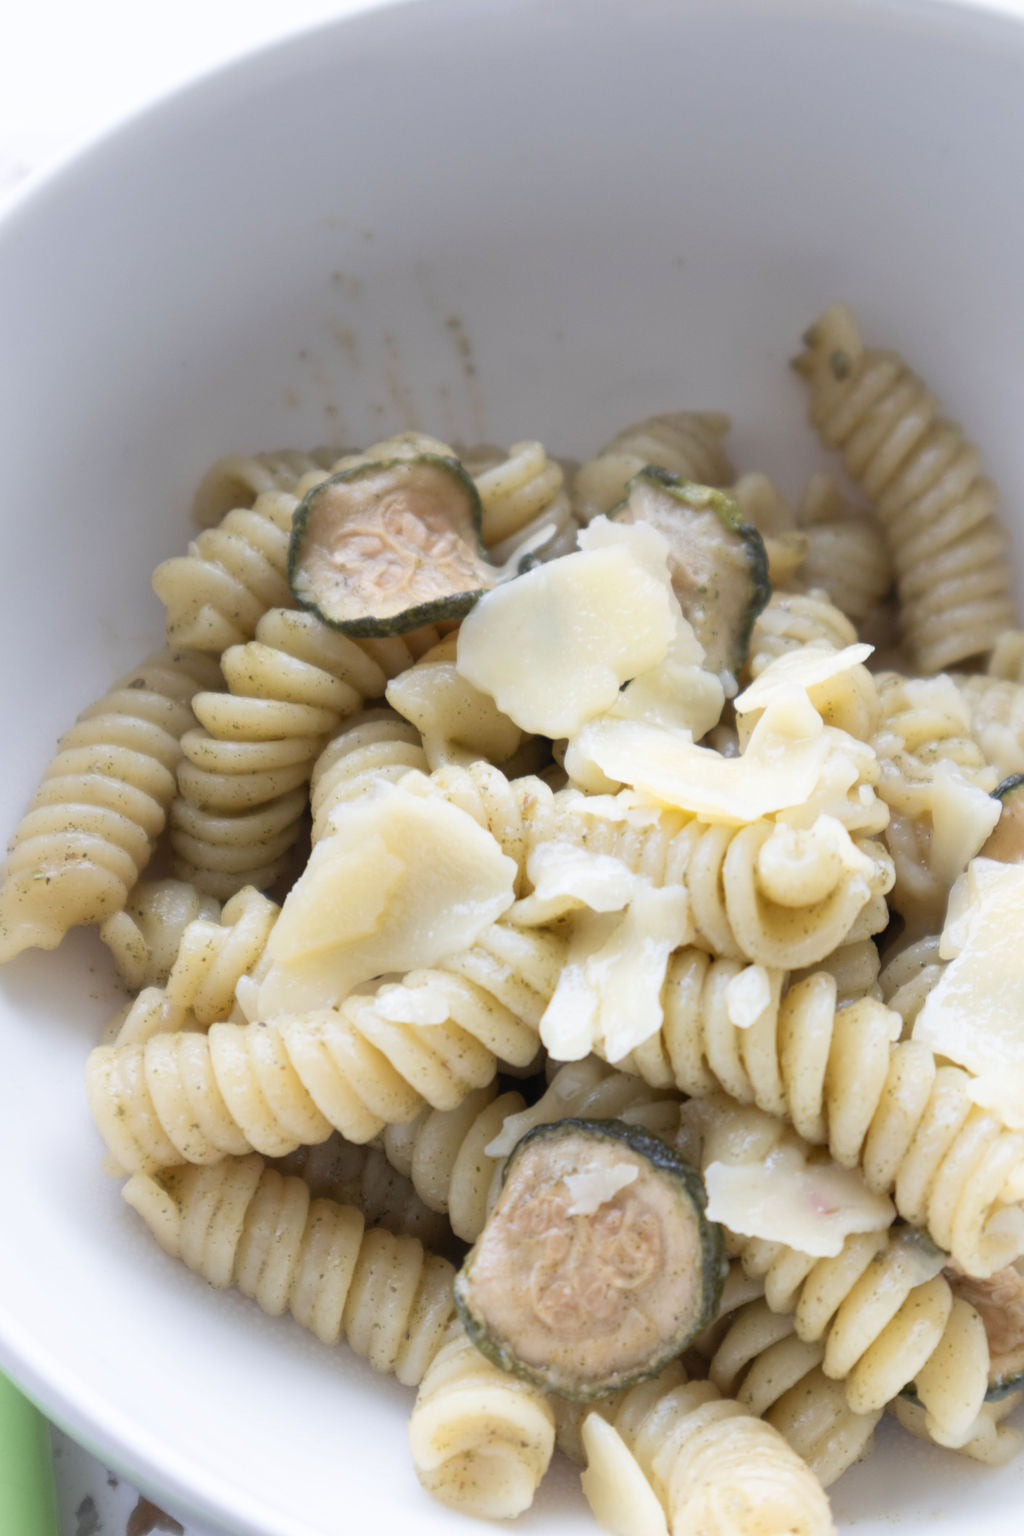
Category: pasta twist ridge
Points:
column 145, row 937
column 847, row 555
column 689, row 443
column 216, row 594
column 939, row 512
column 244, row 1225
column 777, row 1376
column 92, row 824
column 996, row 711
column 237, row 479
column 336, row 1169
column 373, row 745
column 523, row 491
column 373, row 1061
column 843, row 1079
column 713, row 1466
column 481, row 1439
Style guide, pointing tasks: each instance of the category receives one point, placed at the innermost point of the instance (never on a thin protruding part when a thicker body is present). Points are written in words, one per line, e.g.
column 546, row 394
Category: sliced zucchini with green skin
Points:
column 597, row 1264
column 1006, row 841
column 386, row 547
column 717, row 562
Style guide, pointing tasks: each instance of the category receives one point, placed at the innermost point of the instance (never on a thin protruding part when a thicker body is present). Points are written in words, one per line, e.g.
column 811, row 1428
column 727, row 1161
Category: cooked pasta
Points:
column 909, row 975
column 238, row 478
column 481, row 1439
column 456, row 722
column 932, row 775
column 773, row 1373
column 336, row 1169
column 244, row 1225
column 939, row 511
column 93, row 822
column 713, row 1467
column 374, row 746
column 523, row 492
column 995, row 708
column 213, row 956
column 883, row 1309
column 689, row 443
column 144, row 938
column 846, row 554
column 370, row 1063
column 993, row 1442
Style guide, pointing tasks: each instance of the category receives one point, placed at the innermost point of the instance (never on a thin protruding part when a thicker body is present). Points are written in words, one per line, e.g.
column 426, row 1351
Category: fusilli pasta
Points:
column 689, row 443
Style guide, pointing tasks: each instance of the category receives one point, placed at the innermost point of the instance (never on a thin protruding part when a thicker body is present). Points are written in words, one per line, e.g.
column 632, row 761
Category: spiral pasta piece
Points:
column 908, row 977
column 995, row 708
column 992, row 1442
column 92, row 824
column 144, row 938
column 375, row 745
column 777, row 1376
column 241, row 785
column 481, row 1439
column 456, row 722
column 216, row 594
column 932, row 773
column 847, row 556
column 455, row 1157
column 212, row 958
column 244, row 1225
column 372, row 1062
column 939, row 512
column 843, row 1079
column 336, row 1169
column 688, row 442
column 237, row 479
column 522, row 492
column 882, row 1307
column 713, row 1467
column 1007, row 658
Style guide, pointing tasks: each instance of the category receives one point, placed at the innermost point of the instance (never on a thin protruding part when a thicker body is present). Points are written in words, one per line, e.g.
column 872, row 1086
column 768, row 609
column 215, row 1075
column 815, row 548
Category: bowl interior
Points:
column 534, row 218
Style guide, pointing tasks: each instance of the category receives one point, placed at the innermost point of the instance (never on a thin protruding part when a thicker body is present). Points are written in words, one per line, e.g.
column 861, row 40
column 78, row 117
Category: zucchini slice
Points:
column 386, row 547
column 1006, row 841
column 597, row 1264
column 718, row 562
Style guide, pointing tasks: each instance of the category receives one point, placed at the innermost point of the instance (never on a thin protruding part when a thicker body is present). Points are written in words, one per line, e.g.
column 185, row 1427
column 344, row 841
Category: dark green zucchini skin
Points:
column 1006, row 841
column 1005, row 790
column 667, row 1163
column 687, row 500
column 451, row 605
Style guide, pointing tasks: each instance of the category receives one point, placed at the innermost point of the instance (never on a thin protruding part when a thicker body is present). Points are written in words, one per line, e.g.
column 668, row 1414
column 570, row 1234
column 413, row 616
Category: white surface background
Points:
column 67, row 71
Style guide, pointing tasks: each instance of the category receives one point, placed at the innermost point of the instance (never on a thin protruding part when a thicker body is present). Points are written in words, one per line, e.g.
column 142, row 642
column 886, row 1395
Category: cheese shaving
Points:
column 801, row 668
column 588, row 1191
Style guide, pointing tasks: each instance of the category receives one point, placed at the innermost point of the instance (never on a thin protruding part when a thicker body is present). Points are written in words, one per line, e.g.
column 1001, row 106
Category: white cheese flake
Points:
column 591, row 1189
column 781, row 766
column 803, row 668
column 787, row 1198
column 399, row 881
column 566, row 877
column 617, row 1489
column 609, row 992
column 963, row 816
column 554, row 646
column 974, row 1015
column 750, row 994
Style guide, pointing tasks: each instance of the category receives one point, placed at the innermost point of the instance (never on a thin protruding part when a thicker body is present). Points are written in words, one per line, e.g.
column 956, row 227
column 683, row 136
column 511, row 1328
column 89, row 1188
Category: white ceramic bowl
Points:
column 493, row 220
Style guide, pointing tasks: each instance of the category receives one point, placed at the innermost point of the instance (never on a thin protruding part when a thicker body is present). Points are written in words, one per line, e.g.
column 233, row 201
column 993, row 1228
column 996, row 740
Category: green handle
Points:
column 28, row 1499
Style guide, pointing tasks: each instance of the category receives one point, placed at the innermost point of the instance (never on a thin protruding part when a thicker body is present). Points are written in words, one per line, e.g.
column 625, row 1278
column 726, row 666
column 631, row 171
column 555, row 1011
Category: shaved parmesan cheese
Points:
column 750, row 994
column 963, row 815
column 399, row 881
column 802, row 668
column 784, row 760
column 974, row 1015
column 678, row 693
column 553, row 647
column 787, row 1198
column 616, row 1488
column 566, row 877
column 609, row 991
column 588, row 1191
column 457, row 722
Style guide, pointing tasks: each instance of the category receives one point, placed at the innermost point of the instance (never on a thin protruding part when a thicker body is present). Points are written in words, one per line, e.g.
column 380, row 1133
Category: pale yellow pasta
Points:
column 212, row 958
column 244, row 1225
column 939, row 511
column 481, row 1439
column 523, row 493
column 926, row 755
column 456, row 722
column 369, row 1063
column 238, row 478
column 846, row 555
column 713, row 1467
column 689, row 443
column 144, row 938
column 93, row 822
column 995, row 708
column 337, row 1169
column 374, row 746
column 992, row 1442
column 770, row 1371
column 910, row 972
